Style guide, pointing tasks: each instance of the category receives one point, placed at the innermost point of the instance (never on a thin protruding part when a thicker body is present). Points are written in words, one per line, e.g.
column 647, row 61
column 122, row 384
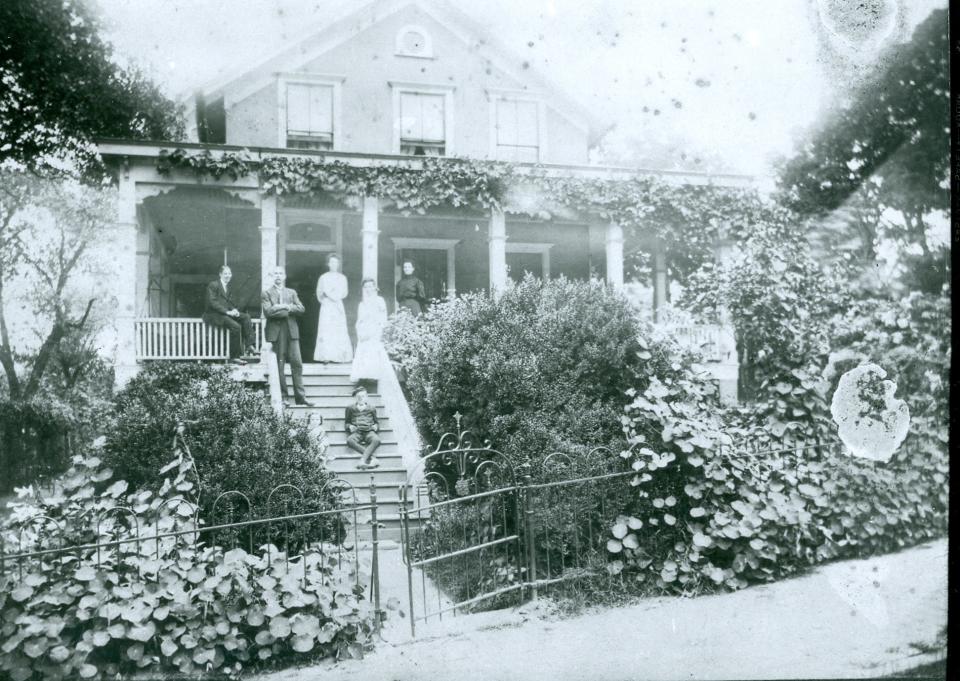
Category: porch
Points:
column 180, row 228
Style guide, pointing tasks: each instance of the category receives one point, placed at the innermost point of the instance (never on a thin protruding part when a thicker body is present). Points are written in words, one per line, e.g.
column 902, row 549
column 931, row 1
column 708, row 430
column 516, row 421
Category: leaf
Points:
column 85, row 574
column 619, row 530
column 21, row 593
column 701, row 540
column 614, row 546
column 116, row 489
column 100, row 638
column 697, row 512
column 59, row 654
column 87, row 671
column 634, row 523
column 630, row 541
column 168, row 647
column 302, row 644
column 35, row 647
column 280, row 627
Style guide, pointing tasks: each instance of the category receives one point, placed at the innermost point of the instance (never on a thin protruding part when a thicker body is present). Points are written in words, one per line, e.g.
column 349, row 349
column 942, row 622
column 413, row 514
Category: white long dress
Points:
column 333, row 340
column 370, row 359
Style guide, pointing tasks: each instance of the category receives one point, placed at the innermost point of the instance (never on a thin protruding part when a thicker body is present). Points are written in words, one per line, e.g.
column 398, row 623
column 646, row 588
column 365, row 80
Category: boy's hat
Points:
column 359, row 389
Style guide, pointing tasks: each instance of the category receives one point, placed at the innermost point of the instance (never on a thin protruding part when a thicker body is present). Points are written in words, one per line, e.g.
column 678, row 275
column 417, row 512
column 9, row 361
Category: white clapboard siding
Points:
column 185, row 338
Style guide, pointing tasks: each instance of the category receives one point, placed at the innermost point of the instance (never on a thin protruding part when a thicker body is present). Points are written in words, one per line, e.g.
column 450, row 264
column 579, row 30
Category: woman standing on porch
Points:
column 333, row 341
column 410, row 291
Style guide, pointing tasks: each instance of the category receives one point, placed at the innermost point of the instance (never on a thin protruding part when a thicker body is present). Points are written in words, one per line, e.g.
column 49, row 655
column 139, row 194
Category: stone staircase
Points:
column 329, row 388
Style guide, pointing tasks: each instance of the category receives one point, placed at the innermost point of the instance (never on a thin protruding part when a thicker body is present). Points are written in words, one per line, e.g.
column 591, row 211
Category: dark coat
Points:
column 218, row 301
column 354, row 416
column 280, row 319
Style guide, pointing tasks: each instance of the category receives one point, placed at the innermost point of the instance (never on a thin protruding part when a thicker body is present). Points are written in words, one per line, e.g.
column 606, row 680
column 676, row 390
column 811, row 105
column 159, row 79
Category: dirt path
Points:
column 848, row 619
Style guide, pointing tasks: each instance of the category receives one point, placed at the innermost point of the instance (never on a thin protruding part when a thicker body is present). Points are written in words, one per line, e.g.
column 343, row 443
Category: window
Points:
column 517, row 130
column 422, row 124
column 309, row 116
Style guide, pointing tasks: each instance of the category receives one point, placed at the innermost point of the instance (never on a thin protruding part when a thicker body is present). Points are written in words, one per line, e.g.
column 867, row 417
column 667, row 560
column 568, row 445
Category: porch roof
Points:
column 130, row 149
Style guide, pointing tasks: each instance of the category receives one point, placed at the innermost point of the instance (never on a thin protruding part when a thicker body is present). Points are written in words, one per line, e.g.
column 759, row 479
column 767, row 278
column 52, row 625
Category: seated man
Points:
column 362, row 426
column 221, row 311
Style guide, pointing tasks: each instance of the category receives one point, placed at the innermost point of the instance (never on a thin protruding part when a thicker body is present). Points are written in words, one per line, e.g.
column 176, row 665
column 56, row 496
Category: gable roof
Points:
column 320, row 40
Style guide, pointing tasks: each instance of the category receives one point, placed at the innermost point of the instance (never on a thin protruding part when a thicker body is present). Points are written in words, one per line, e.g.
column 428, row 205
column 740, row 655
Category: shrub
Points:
column 543, row 368
column 237, row 442
column 177, row 603
column 710, row 510
column 38, row 436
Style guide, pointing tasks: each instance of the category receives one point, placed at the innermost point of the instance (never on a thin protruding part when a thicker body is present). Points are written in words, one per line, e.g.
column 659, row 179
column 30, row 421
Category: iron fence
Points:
column 146, row 539
column 475, row 535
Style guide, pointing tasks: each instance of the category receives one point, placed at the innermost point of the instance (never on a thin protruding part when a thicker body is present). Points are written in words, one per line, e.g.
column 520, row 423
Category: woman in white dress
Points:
column 371, row 357
column 333, row 340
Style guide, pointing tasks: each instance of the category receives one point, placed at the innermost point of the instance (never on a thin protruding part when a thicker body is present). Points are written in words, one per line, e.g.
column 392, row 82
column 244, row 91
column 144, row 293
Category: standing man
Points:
column 362, row 426
column 281, row 306
column 220, row 311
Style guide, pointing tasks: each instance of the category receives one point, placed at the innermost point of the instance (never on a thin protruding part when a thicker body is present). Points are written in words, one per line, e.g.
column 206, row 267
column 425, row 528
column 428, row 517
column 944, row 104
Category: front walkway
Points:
column 848, row 619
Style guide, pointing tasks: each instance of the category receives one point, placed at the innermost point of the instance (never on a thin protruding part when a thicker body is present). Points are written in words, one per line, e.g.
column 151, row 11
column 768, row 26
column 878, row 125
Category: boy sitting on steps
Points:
column 362, row 426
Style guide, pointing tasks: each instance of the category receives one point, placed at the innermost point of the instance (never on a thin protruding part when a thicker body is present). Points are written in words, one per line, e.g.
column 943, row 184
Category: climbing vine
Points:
column 687, row 218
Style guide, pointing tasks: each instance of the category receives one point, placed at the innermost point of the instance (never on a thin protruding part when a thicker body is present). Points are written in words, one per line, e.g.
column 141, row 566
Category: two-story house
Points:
column 399, row 84
column 389, row 85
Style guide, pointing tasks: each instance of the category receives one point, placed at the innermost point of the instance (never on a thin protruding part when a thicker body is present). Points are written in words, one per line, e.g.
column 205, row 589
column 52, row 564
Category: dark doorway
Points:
column 303, row 270
column 431, row 268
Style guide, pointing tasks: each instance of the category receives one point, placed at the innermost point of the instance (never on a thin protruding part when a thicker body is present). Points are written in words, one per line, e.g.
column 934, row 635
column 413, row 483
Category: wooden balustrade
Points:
column 185, row 338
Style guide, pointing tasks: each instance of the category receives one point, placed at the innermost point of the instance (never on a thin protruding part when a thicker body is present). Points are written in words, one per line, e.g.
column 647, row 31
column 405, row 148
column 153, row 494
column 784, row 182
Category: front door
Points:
column 431, row 268
column 303, row 270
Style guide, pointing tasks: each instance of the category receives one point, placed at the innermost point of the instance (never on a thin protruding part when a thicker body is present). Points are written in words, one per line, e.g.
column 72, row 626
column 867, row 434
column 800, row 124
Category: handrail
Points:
column 408, row 439
column 273, row 377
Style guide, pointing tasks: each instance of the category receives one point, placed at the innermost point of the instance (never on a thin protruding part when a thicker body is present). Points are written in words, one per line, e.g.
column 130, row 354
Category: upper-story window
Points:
column 422, row 130
column 309, row 116
column 517, row 134
column 423, row 119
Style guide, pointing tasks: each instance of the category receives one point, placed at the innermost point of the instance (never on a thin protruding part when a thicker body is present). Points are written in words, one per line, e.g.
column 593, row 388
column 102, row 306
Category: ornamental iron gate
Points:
column 481, row 537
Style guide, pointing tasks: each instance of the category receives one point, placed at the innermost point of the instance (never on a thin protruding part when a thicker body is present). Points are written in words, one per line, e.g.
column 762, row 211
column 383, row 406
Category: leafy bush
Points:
column 543, row 368
column 38, row 436
column 174, row 603
column 710, row 510
column 237, row 442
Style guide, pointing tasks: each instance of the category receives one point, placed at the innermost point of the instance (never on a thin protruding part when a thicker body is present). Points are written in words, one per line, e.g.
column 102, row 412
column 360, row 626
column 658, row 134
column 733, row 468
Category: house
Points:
column 389, row 91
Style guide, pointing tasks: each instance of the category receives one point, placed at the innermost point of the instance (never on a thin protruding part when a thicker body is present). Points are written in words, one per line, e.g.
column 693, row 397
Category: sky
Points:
column 698, row 84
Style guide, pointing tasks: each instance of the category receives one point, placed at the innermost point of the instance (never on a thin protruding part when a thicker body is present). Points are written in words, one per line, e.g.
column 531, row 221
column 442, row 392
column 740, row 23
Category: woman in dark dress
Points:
column 410, row 291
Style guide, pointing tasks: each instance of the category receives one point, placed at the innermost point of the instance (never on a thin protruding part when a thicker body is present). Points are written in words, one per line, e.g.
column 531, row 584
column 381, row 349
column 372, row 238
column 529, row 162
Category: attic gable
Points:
column 516, row 74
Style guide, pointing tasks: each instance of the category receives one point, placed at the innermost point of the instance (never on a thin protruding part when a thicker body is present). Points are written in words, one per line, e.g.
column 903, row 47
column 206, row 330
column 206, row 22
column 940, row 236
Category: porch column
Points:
column 614, row 243
column 498, row 251
column 371, row 237
column 660, row 282
column 268, row 255
column 127, row 279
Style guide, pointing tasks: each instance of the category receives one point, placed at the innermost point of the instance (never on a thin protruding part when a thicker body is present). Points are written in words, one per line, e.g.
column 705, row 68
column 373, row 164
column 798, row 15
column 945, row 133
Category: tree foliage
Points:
column 62, row 85
column 890, row 141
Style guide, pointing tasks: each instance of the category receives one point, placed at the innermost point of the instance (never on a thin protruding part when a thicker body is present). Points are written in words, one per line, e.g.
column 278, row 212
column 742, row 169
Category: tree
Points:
column 889, row 145
column 61, row 85
column 48, row 230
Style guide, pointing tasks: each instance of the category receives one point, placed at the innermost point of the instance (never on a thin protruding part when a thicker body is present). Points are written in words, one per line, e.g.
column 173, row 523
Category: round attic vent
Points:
column 414, row 41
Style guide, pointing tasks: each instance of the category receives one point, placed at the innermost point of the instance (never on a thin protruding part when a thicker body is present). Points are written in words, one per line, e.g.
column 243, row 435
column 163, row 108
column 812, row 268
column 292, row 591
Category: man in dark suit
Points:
column 281, row 306
column 221, row 311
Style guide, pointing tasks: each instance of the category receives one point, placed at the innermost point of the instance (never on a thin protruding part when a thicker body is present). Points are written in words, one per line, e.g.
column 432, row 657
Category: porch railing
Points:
column 185, row 338
column 708, row 339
